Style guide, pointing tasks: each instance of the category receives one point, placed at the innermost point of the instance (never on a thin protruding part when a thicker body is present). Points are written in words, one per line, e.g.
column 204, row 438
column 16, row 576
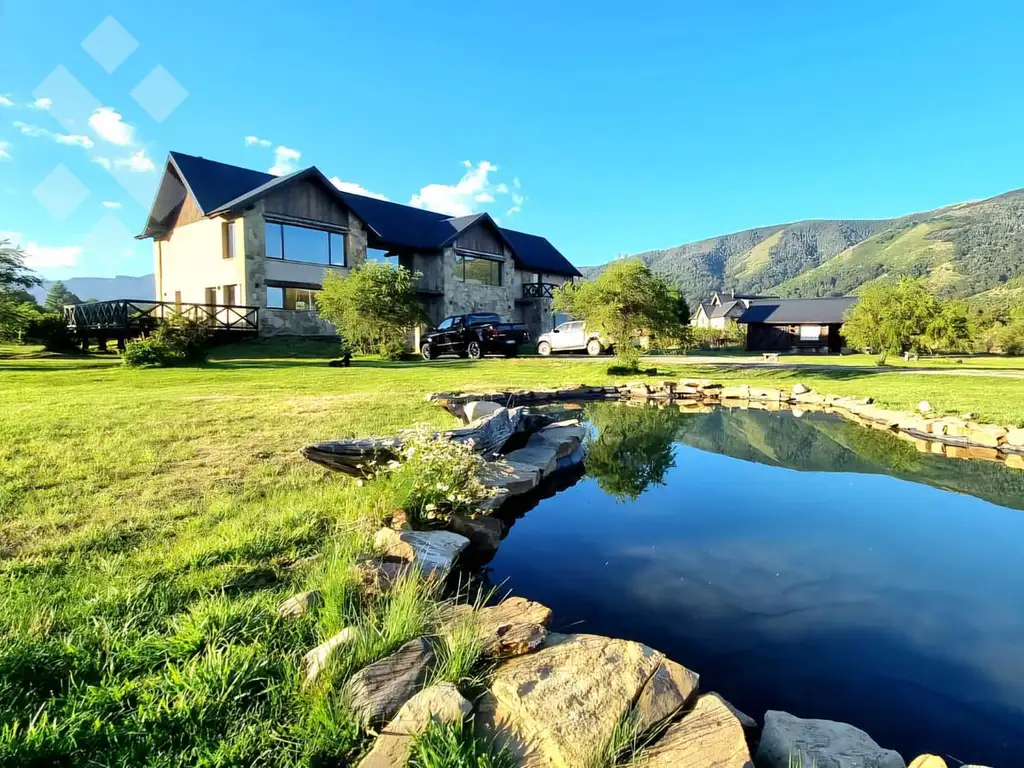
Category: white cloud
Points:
column 5, row 150
column 109, row 126
column 484, row 197
column 111, row 204
column 517, row 203
column 515, row 181
column 41, row 104
column 356, row 189
column 74, row 139
column 103, row 161
column 501, row 189
column 6, row 102
column 458, row 199
column 285, row 159
column 36, row 132
column 137, row 162
column 51, row 256
column 255, row 141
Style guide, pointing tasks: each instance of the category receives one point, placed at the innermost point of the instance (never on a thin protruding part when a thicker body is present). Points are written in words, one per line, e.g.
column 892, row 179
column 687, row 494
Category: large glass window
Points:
column 313, row 246
column 281, row 297
column 469, row 269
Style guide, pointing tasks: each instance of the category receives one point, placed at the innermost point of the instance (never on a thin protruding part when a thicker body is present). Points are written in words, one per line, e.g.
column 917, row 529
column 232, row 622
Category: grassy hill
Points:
column 973, row 249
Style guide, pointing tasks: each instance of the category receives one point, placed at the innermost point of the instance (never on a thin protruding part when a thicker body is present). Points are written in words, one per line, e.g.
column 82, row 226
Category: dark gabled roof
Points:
column 537, row 254
column 787, row 311
column 213, row 184
column 727, row 309
column 706, row 306
column 220, row 188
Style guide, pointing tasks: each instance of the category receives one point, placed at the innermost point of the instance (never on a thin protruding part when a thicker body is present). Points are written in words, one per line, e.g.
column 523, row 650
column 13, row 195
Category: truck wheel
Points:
column 474, row 350
column 594, row 348
column 427, row 351
column 544, row 349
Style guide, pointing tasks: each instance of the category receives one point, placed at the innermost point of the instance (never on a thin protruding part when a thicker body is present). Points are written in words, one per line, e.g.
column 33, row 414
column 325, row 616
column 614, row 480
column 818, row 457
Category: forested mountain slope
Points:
column 962, row 250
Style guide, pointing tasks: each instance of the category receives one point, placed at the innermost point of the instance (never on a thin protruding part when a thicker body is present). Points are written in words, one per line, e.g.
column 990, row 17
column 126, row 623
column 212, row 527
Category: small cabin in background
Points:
column 779, row 325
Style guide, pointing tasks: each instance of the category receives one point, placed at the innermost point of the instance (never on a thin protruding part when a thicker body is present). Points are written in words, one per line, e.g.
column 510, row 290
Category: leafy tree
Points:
column 633, row 448
column 17, row 307
column 949, row 329
column 890, row 317
column 58, row 296
column 374, row 307
column 626, row 300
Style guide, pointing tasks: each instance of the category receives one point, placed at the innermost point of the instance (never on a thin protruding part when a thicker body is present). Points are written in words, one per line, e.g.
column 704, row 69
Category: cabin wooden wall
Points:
column 307, row 200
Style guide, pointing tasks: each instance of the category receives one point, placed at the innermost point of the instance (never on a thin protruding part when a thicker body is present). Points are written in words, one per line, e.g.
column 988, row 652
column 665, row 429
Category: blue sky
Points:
column 624, row 131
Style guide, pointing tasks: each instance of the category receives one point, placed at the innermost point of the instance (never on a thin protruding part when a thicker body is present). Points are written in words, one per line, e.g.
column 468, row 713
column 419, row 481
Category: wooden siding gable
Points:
column 307, row 200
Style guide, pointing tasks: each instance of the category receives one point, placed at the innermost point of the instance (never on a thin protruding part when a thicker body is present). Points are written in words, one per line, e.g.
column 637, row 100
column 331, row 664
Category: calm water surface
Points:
column 805, row 564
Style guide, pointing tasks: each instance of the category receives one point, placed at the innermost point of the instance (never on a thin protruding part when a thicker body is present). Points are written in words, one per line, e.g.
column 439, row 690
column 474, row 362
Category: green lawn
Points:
column 152, row 520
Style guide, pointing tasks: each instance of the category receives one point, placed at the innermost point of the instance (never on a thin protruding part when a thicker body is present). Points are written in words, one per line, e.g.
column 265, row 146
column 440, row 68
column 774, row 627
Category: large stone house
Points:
column 230, row 236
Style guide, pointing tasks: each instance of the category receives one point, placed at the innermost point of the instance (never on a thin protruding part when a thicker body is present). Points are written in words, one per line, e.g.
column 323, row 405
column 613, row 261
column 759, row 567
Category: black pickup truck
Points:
column 473, row 336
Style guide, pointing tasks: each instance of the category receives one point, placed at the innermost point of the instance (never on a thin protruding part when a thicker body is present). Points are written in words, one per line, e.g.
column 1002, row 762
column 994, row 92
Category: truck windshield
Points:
column 483, row 318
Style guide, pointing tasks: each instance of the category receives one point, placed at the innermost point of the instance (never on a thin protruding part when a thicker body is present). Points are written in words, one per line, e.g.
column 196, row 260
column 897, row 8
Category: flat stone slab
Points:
column 822, row 743
column 379, row 690
column 560, row 705
column 708, row 736
column 510, row 477
column 431, row 551
column 300, row 604
column 439, row 703
column 477, row 409
column 482, row 531
column 540, row 456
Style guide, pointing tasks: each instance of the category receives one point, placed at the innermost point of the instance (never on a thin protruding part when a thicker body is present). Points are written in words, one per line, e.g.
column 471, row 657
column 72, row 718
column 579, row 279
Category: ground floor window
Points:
column 810, row 332
column 282, row 297
column 229, row 295
column 470, row 269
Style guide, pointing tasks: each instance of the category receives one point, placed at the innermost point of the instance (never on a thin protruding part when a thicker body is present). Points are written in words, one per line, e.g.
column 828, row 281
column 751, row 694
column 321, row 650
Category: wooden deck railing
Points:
column 130, row 315
column 539, row 290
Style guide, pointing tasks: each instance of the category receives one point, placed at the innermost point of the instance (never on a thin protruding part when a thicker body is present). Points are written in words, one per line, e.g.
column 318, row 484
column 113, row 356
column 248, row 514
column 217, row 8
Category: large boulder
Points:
column 822, row 743
column 709, row 736
column 378, row 691
column 479, row 408
column 561, row 705
column 439, row 703
column 539, row 456
column 433, row 552
column 668, row 691
column 564, row 436
column 376, row 576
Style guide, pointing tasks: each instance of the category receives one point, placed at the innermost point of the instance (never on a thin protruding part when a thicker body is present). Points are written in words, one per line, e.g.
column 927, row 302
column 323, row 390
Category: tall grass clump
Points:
column 455, row 745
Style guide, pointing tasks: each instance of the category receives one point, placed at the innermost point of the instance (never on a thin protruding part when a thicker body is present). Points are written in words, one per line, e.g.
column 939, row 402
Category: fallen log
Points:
column 357, row 457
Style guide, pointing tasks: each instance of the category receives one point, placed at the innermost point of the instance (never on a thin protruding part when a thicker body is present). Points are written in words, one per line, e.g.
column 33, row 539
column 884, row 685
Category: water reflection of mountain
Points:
column 820, row 442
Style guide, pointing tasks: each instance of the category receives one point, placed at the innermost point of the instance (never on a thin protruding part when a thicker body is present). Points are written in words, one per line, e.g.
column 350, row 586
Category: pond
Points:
column 807, row 564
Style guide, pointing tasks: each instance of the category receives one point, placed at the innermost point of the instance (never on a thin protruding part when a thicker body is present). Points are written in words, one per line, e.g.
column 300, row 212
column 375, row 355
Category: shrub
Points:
column 392, row 349
column 187, row 339
column 438, row 476
column 147, row 352
column 179, row 341
column 51, row 331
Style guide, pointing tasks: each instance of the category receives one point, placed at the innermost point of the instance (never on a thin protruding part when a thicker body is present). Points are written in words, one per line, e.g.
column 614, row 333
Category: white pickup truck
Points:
column 571, row 337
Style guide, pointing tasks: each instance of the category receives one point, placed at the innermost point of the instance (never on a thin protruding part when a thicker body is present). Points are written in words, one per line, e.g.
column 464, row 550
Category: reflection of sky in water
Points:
column 881, row 602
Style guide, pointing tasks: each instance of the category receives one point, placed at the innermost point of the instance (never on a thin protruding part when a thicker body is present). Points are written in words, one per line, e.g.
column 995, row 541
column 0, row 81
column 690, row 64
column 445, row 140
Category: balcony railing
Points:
column 137, row 315
column 539, row 290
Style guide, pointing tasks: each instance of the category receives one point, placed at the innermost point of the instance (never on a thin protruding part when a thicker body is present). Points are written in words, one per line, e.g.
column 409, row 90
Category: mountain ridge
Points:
column 962, row 250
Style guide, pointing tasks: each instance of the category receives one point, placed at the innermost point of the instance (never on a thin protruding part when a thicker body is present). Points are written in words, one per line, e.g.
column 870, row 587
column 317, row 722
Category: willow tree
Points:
column 627, row 300
column 373, row 308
